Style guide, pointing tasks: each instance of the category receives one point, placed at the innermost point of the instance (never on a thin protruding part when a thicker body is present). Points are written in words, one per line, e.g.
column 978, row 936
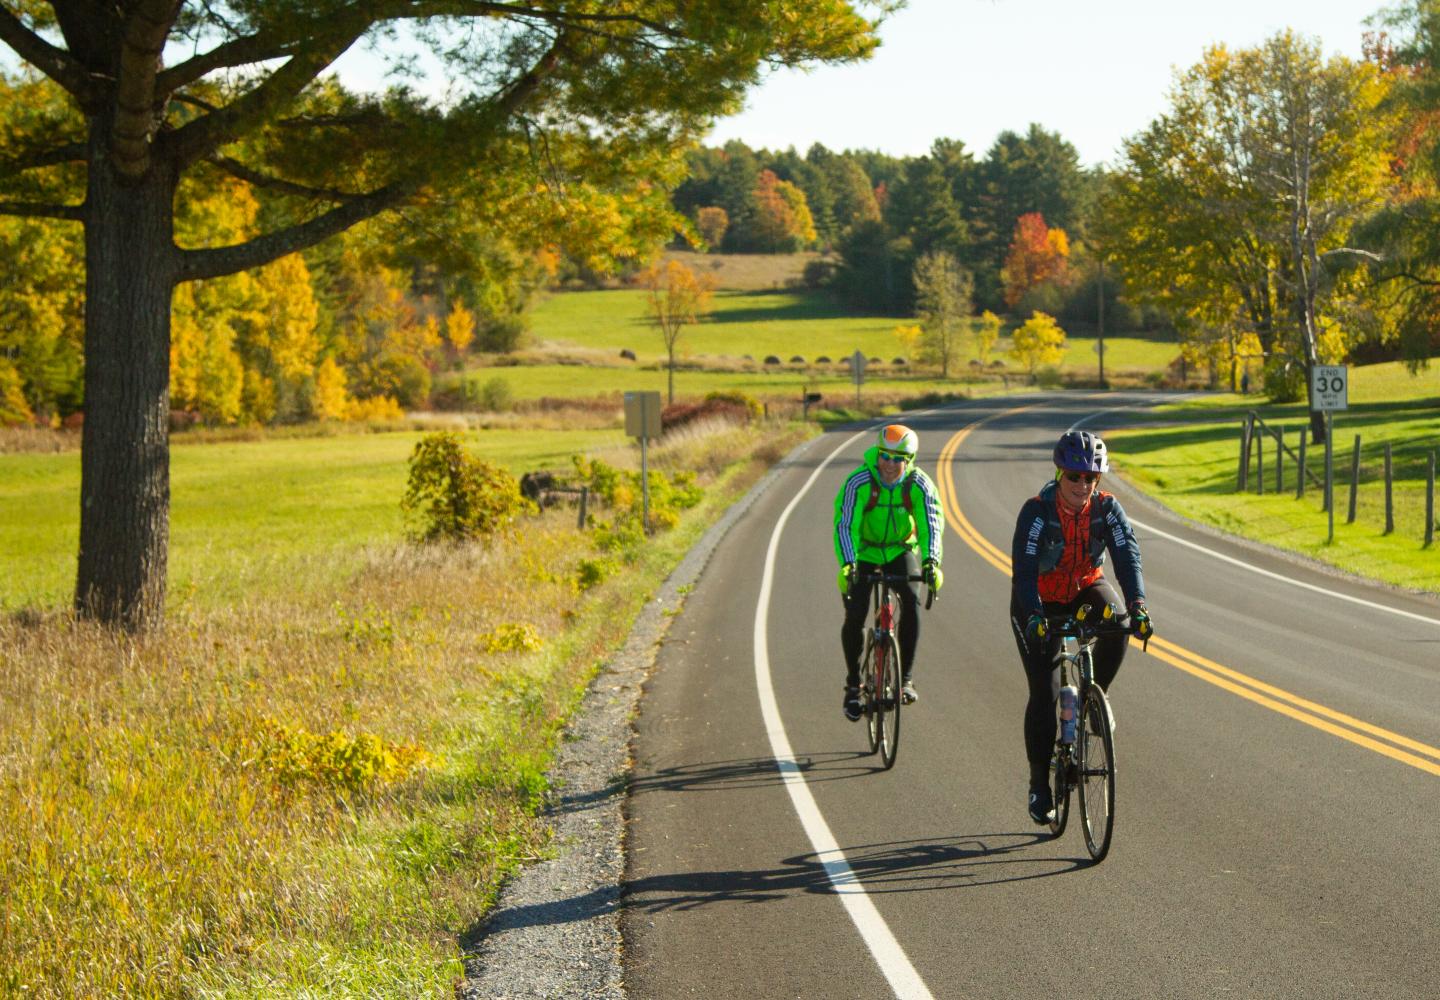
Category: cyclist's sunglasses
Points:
column 891, row 456
column 1083, row 477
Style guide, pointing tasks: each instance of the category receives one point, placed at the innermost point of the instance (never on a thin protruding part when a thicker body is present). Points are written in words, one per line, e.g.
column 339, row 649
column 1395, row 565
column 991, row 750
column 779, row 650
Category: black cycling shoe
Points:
column 852, row 703
column 1042, row 806
column 908, row 694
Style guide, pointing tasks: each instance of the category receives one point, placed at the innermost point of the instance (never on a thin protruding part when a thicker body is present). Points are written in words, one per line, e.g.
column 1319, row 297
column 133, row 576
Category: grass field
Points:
column 316, row 787
column 242, row 512
column 1188, row 458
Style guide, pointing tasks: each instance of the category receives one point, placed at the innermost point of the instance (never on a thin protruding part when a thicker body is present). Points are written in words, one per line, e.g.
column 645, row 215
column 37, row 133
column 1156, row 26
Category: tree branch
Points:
column 235, row 168
column 40, row 210
column 54, row 62
column 70, row 152
column 212, row 263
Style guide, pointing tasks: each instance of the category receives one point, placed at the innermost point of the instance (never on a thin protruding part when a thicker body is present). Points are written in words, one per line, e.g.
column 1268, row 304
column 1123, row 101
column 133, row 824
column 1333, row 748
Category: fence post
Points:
column 1259, row 440
column 1279, row 460
column 1354, row 480
column 1240, row 479
column 584, row 502
column 1389, row 497
column 1430, row 502
column 1300, row 477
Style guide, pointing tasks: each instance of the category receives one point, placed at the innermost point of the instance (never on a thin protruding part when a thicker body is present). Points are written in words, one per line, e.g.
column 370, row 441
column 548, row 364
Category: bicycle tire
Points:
column 887, row 700
column 1060, row 785
column 867, row 693
column 1096, row 741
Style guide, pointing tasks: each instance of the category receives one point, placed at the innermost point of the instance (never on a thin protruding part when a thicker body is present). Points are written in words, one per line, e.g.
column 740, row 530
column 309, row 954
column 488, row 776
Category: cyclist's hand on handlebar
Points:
column 1140, row 620
column 847, row 574
column 934, row 579
column 1035, row 628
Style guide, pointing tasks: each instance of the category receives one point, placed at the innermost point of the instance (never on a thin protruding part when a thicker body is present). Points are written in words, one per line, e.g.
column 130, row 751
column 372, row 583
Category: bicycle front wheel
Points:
column 1096, row 742
column 1063, row 765
column 887, row 698
column 868, row 698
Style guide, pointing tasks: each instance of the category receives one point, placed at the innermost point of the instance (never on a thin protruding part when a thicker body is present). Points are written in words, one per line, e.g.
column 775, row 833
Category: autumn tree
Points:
column 243, row 96
column 675, row 298
column 711, row 223
column 1038, row 341
column 1037, row 254
column 942, row 296
column 987, row 331
column 781, row 222
column 1236, row 206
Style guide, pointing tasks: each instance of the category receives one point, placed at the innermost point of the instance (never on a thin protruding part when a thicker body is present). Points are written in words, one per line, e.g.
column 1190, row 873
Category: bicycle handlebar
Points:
column 1085, row 628
column 901, row 579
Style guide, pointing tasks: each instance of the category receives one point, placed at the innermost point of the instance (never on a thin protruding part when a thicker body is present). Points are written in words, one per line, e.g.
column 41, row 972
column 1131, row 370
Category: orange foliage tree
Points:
column 1037, row 253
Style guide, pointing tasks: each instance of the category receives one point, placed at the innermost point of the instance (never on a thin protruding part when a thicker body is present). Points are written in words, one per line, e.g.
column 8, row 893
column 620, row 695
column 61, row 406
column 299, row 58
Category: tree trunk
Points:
column 130, row 262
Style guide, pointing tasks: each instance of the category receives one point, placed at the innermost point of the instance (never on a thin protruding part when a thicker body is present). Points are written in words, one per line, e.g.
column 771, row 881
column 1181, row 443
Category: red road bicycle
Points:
column 880, row 679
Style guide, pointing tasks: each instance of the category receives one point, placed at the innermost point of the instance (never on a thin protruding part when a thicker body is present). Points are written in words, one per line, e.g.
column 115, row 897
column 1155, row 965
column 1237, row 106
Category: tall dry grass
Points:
column 314, row 791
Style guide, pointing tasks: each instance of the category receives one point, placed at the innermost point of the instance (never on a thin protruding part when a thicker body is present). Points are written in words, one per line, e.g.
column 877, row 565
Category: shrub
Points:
column 494, row 394
column 818, row 273
column 454, row 495
column 739, row 398
column 293, row 754
column 680, row 414
column 512, row 637
column 1284, row 380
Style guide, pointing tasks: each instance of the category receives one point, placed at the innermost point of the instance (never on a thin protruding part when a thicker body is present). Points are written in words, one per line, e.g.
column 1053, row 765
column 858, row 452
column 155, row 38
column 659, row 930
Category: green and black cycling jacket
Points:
column 875, row 523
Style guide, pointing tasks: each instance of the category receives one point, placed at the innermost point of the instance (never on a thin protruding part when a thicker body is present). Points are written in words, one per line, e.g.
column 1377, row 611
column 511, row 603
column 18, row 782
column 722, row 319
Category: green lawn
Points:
column 1188, row 456
column 242, row 512
column 781, row 324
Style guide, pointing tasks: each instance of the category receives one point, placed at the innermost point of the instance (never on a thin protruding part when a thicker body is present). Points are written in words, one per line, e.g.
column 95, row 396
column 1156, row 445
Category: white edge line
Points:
column 1373, row 605
column 891, row 958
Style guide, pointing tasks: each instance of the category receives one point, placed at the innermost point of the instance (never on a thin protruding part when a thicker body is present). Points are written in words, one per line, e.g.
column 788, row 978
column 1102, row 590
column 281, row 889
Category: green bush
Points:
column 453, row 495
column 752, row 405
column 494, row 394
column 1284, row 380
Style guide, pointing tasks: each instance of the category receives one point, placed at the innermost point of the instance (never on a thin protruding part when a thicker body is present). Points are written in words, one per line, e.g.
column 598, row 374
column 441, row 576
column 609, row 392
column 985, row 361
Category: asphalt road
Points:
column 1276, row 749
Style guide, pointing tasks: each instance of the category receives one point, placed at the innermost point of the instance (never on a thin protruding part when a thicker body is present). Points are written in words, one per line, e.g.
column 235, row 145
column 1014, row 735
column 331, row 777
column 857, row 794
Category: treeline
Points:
column 879, row 214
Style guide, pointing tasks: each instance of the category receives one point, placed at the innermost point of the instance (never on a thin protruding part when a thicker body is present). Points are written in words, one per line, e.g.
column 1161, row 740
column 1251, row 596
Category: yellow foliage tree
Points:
column 987, row 331
column 1039, row 341
column 460, row 328
column 677, row 298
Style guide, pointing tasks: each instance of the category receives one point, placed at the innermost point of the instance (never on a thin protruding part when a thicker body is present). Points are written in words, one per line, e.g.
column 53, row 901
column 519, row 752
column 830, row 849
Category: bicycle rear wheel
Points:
column 1096, row 742
column 887, row 698
column 868, row 699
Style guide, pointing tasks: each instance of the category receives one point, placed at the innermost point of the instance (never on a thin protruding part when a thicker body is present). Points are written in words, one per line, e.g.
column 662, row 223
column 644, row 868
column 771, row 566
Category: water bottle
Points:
column 1068, row 697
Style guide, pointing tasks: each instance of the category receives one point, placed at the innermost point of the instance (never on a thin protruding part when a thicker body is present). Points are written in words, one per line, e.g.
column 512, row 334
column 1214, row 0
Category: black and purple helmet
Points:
column 1081, row 451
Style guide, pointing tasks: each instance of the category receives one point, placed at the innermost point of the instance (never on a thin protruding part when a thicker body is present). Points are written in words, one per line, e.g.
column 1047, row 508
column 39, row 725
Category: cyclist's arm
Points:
column 849, row 503
column 930, row 517
column 1124, row 551
column 1025, row 557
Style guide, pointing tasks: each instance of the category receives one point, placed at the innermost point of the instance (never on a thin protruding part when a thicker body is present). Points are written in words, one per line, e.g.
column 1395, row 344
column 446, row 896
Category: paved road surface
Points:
column 1277, row 747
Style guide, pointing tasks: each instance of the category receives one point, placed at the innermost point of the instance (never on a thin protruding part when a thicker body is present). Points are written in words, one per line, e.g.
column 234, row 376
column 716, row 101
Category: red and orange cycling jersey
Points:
column 1075, row 571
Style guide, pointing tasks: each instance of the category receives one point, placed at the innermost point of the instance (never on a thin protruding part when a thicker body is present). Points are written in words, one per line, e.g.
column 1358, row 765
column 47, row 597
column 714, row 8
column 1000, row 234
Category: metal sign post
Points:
column 1330, row 390
column 857, row 371
column 642, row 420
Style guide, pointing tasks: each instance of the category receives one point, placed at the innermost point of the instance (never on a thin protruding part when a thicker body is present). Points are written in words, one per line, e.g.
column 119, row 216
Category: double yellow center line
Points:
column 1357, row 731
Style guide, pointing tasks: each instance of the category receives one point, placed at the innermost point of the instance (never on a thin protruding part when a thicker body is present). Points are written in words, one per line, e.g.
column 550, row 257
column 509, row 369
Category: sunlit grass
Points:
column 1188, row 457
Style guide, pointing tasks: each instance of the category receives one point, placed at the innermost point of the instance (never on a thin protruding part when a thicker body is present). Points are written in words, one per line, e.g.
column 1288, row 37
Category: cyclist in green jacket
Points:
column 887, row 512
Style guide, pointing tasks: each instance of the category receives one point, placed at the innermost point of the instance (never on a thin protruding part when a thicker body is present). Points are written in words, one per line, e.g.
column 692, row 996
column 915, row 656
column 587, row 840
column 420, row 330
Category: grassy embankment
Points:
column 313, row 781
column 587, row 331
column 1187, row 456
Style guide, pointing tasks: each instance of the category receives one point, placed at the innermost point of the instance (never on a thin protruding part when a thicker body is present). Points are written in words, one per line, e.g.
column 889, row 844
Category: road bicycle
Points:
column 880, row 680
column 1085, row 762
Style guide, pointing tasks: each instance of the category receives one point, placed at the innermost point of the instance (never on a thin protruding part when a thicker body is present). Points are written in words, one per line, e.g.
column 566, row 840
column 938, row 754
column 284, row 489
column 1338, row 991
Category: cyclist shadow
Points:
column 749, row 772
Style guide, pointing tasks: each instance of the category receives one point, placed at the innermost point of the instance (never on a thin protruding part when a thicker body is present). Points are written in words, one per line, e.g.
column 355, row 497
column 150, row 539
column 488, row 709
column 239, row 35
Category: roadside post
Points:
column 857, row 372
column 1330, row 389
column 642, row 420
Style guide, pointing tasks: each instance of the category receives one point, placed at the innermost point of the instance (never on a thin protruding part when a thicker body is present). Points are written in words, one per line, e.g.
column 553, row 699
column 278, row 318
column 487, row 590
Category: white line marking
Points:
column 1286, row 579
column 894, row 964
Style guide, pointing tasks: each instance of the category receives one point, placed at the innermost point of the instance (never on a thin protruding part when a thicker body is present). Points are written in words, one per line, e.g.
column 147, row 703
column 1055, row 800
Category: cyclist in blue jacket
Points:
column 1057, row 555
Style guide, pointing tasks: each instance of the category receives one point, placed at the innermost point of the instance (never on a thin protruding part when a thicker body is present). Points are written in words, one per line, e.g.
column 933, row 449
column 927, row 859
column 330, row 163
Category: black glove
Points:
column 1140, row 620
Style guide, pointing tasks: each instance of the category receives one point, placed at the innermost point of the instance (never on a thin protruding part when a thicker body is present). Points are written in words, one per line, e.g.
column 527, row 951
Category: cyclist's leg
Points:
column 1043, row 679
column 1110, row 649
column 852, row 632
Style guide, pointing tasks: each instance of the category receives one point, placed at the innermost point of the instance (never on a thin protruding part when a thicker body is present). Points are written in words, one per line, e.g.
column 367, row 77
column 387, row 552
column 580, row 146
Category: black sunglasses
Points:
column 1083, row 477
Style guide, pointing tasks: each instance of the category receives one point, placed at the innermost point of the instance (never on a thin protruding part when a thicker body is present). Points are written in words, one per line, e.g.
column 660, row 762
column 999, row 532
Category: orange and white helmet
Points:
column 899, row 440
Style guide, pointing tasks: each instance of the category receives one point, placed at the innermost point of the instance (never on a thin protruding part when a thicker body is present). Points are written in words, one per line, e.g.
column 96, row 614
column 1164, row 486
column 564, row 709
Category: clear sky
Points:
column 1094, row 71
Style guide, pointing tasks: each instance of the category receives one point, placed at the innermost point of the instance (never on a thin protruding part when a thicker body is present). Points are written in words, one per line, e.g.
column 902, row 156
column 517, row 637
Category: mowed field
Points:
column 1187, row 456
column 245, row 514
column 728, row 348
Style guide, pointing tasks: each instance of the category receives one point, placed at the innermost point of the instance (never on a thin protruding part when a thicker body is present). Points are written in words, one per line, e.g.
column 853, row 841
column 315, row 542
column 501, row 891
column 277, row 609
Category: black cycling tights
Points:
column 857, row 611
column 1044, row 677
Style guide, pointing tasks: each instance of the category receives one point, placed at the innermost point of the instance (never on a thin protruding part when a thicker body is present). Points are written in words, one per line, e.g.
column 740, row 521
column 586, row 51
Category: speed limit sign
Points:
column 1330, row 387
